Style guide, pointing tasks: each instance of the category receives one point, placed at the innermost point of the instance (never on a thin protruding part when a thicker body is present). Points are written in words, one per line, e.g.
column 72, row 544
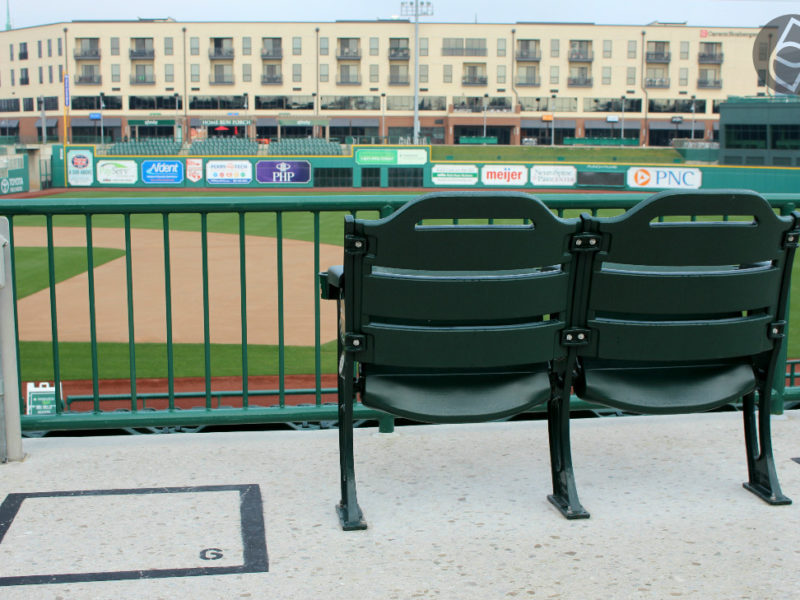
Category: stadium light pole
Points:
column 485, row 106
column 102, row 98
column 693, row 99
column 416, row 8
column 622, row 127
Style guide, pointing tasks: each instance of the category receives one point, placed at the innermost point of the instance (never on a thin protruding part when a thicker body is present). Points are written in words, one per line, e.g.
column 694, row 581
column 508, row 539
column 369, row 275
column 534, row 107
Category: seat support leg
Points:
column 763, row 478
column 565, row 493
column 350, row 515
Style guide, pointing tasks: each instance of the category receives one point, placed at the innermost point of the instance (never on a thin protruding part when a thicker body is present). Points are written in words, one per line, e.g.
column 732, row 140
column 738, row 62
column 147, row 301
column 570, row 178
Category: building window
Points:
column 554, row 48
column 447, row 74
column 195, row 73
column 60, row 73
column 631, row 48
column 374, row 75
column 323, row 73
column 23, row 50
column 49, row 48
column 59, row 45
column 27, row 104
column 247, row 72
column 323, row 46
column 12, row 77
column 684, row 76
column 554, row 74
column 297, row 46
column 114, row 46
column 169, row 73
column 423, row 46
column 11, row 51
column 475, row 47
column 501, row 73
column 247, row 46
column 168, row 48
column 423, row 73
column 631, row 76
column 501, row 46
column 23, row 77
column 374, row 46
column 606, row 48
column 194, row 46
column 297, row 72
column 684, row 50
column 39, row 48
column 606, row 76
column 115, row 73
column 50, row 74
column 41, row 75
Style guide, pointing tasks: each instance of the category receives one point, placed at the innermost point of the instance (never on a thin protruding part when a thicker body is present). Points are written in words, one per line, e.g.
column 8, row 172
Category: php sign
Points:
column 283, row 171
column 665, row 178
column 162, row 171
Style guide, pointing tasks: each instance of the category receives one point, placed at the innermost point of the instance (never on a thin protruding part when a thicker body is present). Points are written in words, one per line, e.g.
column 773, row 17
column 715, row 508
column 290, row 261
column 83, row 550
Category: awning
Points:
column 301, row 122
column 268, row 122
column 666, row 125
column 107, row 122
column 48, row 122
column 595, row 124
column 364, row 122
column 340, row 123
column 6, row 123
column 538, row 123
column 152, row 122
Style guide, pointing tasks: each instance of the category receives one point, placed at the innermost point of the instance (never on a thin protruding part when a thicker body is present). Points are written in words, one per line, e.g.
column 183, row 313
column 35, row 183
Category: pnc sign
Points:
column 665, row 178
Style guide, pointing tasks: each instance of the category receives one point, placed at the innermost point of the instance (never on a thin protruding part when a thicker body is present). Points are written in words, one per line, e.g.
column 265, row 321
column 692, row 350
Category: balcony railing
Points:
column 221, row 54
column 709, row 83
column 349, row 80
column 221, row 80
column 86, row 53
column 271, row 79
column 88, row 80
column 399, row 80
column 714, row 58
column 474, row 80
column 658, row 57
column 142, row 53
column 272, row 53
column 399, row 54
column 579, row 81
column 529, row 81
column 143, row 79
column 348, row 54
column 581, row 56
column 24, row 80
column 529, row 55
column 656, row 82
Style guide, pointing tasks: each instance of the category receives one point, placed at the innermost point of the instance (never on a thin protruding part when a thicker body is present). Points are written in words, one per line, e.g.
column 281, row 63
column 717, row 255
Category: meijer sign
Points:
column 516, row 175
column 665, row 178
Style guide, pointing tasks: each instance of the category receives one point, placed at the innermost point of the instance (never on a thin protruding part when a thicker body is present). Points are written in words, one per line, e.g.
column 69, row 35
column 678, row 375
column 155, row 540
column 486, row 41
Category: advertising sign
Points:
column 454, row 175
column 391, row 156
column 665, row 178
column 283, row 171
column 516, row 175
column 162, row 171
column 80, row 167
column 41, row 399
column 229, row 172
column 194, row 169
column 117, row 171
column 12, row 185
column 554, row 175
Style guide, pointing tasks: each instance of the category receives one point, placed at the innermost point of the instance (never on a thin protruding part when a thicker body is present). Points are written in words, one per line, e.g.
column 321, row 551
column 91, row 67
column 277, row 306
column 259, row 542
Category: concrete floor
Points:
column 455, row 512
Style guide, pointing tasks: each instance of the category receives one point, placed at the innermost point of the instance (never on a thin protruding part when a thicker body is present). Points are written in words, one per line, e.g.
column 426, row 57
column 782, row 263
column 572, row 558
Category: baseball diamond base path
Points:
column 149, row 299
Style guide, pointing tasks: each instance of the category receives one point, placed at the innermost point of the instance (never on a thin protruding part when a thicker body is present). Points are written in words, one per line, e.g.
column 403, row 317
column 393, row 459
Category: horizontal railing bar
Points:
column 230, row 204
column 198, row 394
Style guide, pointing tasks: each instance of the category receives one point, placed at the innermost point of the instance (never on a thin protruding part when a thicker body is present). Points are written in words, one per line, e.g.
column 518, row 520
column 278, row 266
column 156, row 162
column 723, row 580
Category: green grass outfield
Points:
column 113, row 358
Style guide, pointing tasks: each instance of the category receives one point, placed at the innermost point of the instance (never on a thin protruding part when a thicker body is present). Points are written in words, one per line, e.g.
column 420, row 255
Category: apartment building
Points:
column 524, row 82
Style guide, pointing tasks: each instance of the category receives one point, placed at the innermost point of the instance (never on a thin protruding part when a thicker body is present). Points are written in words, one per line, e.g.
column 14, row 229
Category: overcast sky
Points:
column 740, row 13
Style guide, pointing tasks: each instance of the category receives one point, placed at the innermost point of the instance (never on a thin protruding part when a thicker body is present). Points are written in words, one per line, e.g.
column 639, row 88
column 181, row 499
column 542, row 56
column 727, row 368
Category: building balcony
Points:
column 529, row 81
column 529, row 55
column 399, row 80
column 710, row 58
column 656, row 82
column 348, row 54
column 143, row 79
column 272, row 53
column 142, row 53
column 88, row 80
column 579, row 81
column 23, row 55
column 712, row 84
column 87, row 53
column 581, row 56
column 349, row 80
column 221, row 80
column 474, row 80
column 221, row 54
column 399, row 54
column 24, row 81
column 272, row 80
column 658, row 57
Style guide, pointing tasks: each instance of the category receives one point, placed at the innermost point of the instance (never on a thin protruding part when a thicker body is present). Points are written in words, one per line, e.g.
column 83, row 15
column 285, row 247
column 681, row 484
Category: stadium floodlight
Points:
column 416, row 9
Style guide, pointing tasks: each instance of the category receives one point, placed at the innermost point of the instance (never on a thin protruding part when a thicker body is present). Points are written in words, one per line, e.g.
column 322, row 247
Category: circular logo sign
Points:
column 776, row 55
column 4, row 186
column 80, row 162
column 641, row 177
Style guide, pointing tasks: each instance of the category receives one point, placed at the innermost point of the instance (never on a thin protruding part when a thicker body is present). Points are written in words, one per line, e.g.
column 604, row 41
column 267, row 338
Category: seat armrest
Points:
column 330, row 282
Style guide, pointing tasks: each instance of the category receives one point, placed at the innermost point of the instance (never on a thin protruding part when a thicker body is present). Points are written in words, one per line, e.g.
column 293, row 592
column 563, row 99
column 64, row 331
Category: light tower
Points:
column 416, row 8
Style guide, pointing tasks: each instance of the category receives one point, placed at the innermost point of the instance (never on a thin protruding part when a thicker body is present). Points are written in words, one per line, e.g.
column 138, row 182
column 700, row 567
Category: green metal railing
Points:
column 86, row 411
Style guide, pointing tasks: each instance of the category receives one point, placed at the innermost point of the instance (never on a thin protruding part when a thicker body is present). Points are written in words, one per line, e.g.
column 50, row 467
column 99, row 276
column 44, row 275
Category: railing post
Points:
column 10, row 427
column 779, row 383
